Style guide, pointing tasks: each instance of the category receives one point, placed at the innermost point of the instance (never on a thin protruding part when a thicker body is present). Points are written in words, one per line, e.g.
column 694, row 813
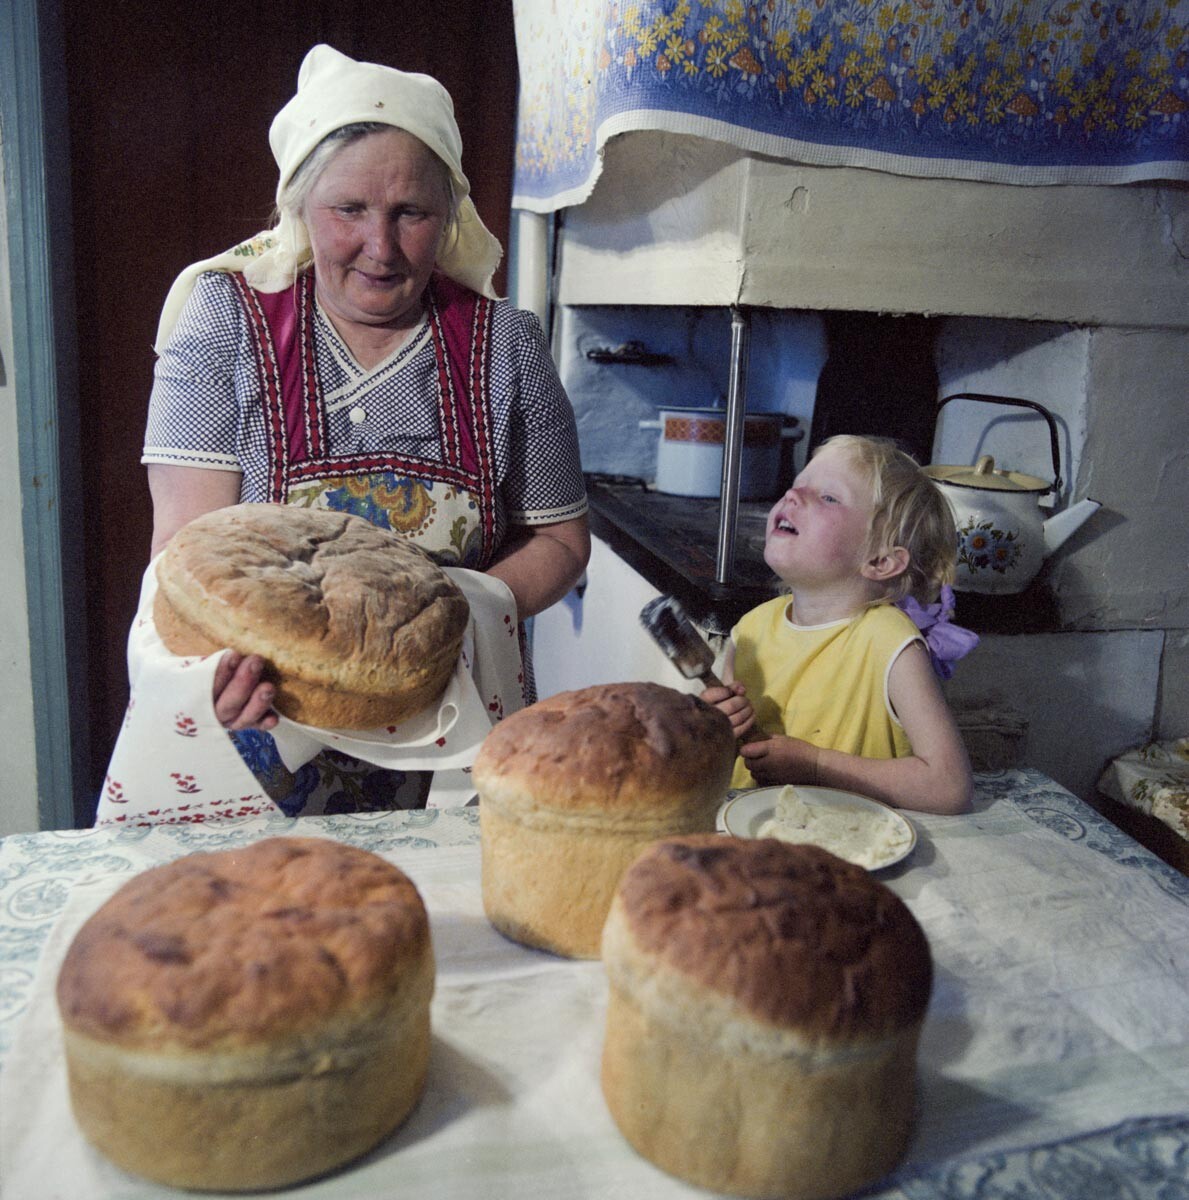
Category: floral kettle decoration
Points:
column 1003, row 537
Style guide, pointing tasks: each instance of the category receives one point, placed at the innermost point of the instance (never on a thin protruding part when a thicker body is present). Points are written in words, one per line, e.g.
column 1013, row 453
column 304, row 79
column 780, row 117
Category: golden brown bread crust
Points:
column 764, row 1010
column 239, row 946
column 359, row 627
column 792, row 935
column 249, row 1018
column 573, row 787
column 636, row 750
column 212, row 1133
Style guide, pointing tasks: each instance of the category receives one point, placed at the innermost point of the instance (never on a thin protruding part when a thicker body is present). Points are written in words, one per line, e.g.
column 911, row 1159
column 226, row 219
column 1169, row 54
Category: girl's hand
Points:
column 780, row 759
column 731, row 700
column 242, row 699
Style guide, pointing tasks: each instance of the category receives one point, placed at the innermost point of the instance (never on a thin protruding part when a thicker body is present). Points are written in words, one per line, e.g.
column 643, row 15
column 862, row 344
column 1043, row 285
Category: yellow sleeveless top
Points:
column 826, row 684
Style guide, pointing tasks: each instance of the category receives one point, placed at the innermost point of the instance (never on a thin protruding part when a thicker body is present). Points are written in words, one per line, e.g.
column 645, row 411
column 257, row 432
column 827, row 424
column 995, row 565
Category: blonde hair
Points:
column 909, row 511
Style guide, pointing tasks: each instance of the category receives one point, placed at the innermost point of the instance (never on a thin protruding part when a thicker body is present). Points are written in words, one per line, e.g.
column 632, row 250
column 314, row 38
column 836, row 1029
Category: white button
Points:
column 357, row 415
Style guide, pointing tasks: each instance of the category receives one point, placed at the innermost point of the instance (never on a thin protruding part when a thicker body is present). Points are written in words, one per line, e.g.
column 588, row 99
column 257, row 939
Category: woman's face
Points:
column 375, row 218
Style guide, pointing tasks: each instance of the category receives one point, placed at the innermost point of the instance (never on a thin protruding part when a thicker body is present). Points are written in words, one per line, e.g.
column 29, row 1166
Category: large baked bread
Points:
column 571, row 788
column 765, row 1003
column 249, row 1018
column 359, row 628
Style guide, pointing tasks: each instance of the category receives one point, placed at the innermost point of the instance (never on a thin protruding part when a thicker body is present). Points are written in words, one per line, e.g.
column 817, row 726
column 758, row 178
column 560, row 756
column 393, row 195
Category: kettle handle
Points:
column 1055, row 486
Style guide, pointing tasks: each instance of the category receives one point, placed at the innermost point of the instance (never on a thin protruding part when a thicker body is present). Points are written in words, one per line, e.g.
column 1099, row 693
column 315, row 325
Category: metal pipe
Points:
column 732, row 456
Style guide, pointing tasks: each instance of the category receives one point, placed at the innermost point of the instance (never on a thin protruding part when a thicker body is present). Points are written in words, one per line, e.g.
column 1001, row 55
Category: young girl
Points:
column 837, row 678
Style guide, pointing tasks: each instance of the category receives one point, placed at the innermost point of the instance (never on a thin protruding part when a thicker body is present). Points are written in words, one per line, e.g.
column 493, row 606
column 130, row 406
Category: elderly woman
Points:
column 355, row 357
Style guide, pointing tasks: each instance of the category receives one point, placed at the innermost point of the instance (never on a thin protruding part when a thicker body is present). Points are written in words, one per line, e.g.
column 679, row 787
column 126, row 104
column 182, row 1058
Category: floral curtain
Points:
column 1006, row 91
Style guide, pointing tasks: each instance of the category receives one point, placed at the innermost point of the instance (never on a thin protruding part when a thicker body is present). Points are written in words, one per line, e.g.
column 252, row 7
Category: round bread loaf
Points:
column 249, row 1018
column 359, row 627
column 765, row 1004
column 573, row 787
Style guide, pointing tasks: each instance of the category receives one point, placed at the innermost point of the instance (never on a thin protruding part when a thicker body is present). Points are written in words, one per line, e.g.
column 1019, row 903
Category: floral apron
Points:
column 446, row 507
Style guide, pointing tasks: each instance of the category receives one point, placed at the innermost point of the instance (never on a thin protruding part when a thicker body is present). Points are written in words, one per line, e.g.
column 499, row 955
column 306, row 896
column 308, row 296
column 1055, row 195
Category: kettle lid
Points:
column 987, row 476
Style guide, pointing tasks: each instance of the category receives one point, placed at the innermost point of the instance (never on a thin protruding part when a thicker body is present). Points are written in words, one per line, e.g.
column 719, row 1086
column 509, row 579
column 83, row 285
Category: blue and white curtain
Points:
column 1005, row 91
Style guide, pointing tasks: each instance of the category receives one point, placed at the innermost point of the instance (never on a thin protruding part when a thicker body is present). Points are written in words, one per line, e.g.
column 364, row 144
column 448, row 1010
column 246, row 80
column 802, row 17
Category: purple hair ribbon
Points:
column 946, row 641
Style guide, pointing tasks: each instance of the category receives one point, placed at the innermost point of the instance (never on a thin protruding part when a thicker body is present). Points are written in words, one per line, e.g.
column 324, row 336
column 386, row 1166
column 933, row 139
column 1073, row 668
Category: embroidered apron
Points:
column 446, row 507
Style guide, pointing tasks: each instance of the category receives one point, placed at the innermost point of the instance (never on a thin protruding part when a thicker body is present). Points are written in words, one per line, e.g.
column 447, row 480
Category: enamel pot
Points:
column 690, row 452
column 1003, row 536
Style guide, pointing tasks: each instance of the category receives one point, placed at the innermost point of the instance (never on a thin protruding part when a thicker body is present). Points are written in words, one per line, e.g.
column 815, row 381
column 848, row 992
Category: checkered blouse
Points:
column 206, row 408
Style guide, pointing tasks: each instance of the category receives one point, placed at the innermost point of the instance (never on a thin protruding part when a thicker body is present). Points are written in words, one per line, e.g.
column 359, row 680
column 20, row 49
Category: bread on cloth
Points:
column 573, row 787
column 359, row 627
column 764, row 1006
column 249, row 1018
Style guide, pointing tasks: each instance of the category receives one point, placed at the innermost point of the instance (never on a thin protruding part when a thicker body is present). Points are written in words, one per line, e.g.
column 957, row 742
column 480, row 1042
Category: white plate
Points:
column 743, row 815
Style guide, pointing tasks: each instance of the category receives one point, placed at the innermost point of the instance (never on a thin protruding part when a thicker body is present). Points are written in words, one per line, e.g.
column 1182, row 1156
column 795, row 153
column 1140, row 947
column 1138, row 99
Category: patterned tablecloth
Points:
column 1002, row 91
column 1153, row 779
column 1054, row 1063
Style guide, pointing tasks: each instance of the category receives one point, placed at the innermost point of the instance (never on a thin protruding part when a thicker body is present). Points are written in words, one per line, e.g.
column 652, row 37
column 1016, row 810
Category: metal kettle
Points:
column 1003, row 535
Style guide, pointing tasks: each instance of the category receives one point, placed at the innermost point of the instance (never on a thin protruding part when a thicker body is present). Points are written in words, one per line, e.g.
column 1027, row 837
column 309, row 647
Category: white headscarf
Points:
column 332, row 91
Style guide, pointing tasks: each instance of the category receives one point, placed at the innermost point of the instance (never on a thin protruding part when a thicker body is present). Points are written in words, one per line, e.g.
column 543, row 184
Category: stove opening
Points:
column 879, row 379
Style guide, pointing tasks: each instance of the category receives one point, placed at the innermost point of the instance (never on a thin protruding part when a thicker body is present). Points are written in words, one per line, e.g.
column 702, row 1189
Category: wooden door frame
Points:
column 37, row 195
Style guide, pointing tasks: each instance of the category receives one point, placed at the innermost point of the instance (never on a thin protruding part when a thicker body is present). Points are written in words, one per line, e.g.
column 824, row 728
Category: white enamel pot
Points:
column 690, row 452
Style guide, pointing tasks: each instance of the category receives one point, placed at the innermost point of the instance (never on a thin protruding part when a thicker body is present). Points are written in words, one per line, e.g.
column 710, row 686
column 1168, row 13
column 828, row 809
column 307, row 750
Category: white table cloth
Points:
column 1054, row 1061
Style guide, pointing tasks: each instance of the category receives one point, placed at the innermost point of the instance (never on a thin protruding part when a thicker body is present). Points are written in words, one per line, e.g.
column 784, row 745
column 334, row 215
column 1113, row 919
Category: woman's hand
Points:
column 243, row 700
column 731, row 700
column 780, row 759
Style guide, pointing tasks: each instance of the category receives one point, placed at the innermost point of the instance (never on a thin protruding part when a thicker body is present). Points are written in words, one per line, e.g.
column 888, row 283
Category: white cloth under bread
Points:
column 175, row 763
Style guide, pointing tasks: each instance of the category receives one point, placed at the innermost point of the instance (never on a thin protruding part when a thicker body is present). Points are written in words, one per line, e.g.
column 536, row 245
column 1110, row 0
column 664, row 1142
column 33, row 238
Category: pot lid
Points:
column 987, row 476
